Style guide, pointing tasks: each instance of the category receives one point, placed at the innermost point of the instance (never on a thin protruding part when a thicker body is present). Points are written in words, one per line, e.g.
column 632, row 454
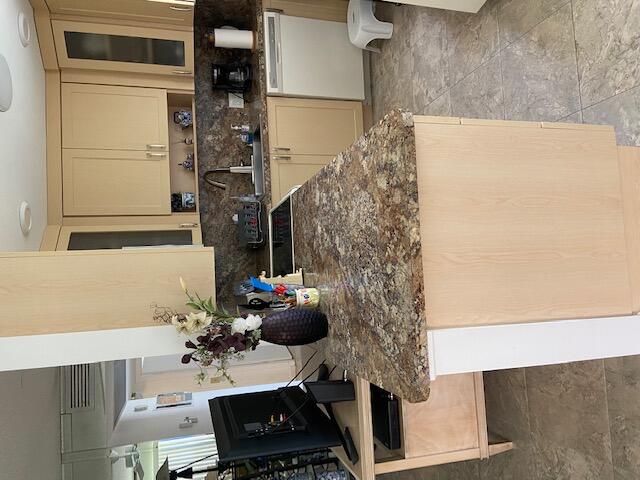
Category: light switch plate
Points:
column 236, row 100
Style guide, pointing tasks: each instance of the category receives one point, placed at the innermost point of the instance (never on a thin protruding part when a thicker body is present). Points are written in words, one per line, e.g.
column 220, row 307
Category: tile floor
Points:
column 553, row 60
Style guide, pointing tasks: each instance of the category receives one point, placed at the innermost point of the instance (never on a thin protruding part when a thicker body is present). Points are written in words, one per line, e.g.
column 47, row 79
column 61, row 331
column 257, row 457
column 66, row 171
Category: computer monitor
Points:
column 267, row 423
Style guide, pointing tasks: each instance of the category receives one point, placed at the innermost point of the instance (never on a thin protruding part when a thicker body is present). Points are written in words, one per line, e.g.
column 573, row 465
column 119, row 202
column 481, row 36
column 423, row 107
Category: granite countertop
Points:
column 357, row 238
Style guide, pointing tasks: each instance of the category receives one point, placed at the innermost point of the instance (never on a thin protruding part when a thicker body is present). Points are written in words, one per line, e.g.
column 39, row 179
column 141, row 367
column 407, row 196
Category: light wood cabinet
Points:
column 60, row 292
column 112, row 117
column 123, row 48
column 305, row 135
column 174, row 12
column 450, row 426
column 115, row 182
column 519, row 222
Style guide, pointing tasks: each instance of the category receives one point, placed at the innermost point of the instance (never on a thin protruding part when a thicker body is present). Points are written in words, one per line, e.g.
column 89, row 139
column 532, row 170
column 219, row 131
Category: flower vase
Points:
column 296, row 326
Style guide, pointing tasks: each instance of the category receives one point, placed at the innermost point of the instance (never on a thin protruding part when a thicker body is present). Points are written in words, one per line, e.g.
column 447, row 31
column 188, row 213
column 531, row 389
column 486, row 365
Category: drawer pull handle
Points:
column 188, row 225
column 154, row 145
column 182, row 72
column 156, row 155
column 180, row 9
column 281, row 157
column 281, row 149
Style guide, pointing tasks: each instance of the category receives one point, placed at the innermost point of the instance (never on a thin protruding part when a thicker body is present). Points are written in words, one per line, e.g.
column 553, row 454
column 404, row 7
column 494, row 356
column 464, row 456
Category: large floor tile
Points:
column 508, row 418
column 569, row 421
column 608, row 43
column 621, row 111
column 440, row 107
column 623, row 398
column 452, row 471
column 517, row 17
column 480, row 95
column 391, row 68
column 539, row 71
column 472, row 40
column 428, row 42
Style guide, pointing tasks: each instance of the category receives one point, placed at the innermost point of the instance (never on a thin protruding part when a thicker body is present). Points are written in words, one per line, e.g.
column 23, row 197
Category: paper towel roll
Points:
column 228, row 38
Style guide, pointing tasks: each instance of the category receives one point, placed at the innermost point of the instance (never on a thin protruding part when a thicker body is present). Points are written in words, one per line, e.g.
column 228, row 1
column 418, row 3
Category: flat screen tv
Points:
column 275, row 422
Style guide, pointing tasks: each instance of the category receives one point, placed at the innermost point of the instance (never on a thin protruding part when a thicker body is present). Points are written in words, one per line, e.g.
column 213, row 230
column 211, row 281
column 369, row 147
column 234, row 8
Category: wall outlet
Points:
column 236, row 100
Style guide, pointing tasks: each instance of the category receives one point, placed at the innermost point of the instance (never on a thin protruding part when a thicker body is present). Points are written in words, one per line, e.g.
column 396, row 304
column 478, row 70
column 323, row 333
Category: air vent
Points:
column 79, row 387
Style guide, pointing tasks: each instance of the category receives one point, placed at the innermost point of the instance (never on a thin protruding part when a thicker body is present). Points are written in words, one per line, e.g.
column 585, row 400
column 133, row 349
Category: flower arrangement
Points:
column 219, row 336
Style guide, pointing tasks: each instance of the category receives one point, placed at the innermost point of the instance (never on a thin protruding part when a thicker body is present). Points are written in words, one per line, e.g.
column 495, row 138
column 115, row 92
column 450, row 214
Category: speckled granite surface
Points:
column 357, row 237
column 219, row 146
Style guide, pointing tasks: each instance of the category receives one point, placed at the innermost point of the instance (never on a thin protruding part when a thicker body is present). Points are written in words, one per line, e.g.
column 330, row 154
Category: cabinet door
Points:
column 97, row 46
column 176, row 12
column 305, row 135
column 110, row 117
column 289, row 172
column 110, row 237
column 113, row 182
column 313, row 127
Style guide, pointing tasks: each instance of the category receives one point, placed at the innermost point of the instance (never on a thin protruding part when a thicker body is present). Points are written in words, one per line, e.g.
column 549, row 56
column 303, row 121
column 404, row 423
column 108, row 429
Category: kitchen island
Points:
column 447, row 246
column 431, row 228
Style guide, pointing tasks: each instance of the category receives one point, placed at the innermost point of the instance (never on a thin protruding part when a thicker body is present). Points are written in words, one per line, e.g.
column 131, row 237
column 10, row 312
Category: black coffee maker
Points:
column 234, row 77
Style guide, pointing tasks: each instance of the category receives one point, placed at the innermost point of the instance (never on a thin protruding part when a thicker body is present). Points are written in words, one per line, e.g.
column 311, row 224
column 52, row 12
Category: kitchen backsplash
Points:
column 219, row 145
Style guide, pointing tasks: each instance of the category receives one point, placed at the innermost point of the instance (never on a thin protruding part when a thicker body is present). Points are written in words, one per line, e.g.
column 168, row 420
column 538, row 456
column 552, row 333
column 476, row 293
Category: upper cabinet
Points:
column 173, row 12
column 96, row 46
column 114, row 118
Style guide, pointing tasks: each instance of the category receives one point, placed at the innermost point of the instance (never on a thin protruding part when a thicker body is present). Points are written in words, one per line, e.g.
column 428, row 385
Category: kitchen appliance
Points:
column 311, row 58
column 281, row 251
column 232, row 77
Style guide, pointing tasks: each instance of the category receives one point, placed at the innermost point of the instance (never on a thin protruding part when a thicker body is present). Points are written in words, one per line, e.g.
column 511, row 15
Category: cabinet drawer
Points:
column 111, row 182
column 177, row 12
column 313, row 127
column 297, row 169
column 108, row 117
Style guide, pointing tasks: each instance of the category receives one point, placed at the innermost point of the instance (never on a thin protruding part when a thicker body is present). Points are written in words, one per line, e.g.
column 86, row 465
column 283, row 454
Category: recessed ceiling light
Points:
column 25, row 218
column 6, row 85
column 24, row 29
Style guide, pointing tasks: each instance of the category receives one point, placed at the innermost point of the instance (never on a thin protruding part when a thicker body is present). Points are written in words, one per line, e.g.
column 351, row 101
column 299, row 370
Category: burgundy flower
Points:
column 186, row 358
column 217, row 347
column 190, row 344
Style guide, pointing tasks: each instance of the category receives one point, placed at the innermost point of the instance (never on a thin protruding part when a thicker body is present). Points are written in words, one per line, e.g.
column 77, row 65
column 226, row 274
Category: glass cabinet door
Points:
column 93, row 46
column 120, row 48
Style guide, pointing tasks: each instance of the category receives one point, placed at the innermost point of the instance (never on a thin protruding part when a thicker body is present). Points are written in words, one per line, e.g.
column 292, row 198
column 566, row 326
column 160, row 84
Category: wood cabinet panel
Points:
column 305, row 135
column 113, row 182
column 59, row 292
column 332, row 10
column 286, row 174
column 165, row 11
column 447, row 421
column 313, row 127
column 520, row 224
column 109, row 117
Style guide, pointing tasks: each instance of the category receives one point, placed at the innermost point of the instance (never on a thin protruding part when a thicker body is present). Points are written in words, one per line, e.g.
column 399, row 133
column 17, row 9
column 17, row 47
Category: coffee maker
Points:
column 234, row 77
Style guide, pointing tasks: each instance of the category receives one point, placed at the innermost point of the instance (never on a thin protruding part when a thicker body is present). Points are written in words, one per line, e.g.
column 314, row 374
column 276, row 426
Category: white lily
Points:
column 196, row 322
column 181, row 327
